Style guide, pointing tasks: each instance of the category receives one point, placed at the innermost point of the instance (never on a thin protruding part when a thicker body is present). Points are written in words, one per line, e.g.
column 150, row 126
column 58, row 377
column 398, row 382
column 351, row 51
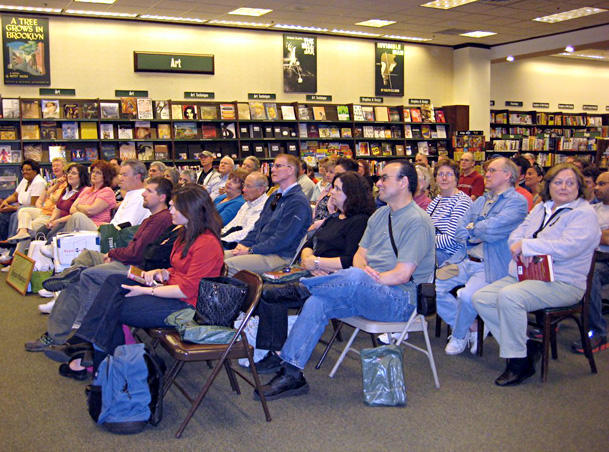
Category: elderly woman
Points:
column 172, row 175
column 323, row 187
column 187, row 176
column 250, row 164
column 533, row 182
column 563, row 227
column 231, row 201
column 447, row 209
column 424, row 179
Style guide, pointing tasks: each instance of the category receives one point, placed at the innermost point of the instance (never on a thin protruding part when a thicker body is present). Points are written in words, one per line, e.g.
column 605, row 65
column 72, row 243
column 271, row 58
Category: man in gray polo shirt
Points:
column 396, row 253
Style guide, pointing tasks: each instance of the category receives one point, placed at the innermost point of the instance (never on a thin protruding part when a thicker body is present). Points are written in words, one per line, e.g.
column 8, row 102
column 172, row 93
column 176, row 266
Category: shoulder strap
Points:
column 395, row 248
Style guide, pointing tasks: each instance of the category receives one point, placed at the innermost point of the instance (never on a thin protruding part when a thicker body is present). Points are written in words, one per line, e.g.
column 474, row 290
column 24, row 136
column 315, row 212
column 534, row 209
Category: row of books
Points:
column 546, row 119
column 376, row 132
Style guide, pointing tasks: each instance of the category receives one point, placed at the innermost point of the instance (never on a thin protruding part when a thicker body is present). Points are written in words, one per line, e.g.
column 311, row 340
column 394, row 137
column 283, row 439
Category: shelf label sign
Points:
column 130, row 93
column 57, row 91
column 469, row 132
column 541, row 105
column 319, row 97
column 188, row 63
column 587, row 107
column 566, row 106
column 371, row 100
column 261, row 96
column 199, row 95
column 513, row 103
column 419, row 101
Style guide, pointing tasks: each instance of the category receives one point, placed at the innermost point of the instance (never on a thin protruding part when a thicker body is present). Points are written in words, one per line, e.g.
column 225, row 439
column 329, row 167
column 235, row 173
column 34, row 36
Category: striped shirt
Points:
column 446, row 213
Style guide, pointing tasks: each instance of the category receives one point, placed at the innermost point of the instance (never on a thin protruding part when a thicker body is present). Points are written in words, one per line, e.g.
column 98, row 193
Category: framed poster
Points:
column 20, row 273
column 299, row 64
column 389, row 69
column 26, row 50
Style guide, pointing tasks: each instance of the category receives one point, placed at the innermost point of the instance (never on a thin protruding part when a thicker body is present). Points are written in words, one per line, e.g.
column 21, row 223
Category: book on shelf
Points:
column 48, row 130
column 108, row 151
column 440, row 116
column 427, row 113
column 387, row 150
column 415, row 114
column 425, row 131
column 312, row 131
column 189, row 111
column 227, row 111
column 368, row 112
column 57, row 152
column 244, row 131
column 161, row 152
column 324, row 131
column 395, row 132
column 77, row 154
column 30, row 132
column 334, row 132
column 423, row 147
column 363, row 149
column 343, row 112
column 176, row 111
column 304, row 113
column 381, row 113
column 30, row 109
column 227, row 129
column 208, row 131
column 16, row 156
column 406, row 113
column 319, row 113
column 129, row 107
column 271, row 111
column 394, row 114
column 375, row 149
column 243, row 110
column 255, row 131
column 50, row 109
column 125, row 132
column 144, row 108
column 399, row 149
column 143, row 130
column 161, row 109
column 163, row 131
column 144, row 150
column 71, row 111
column 539, row 269
column 358, row 132
column 32, row 151
column 90, row 110
column 288, row 113
column 91, row 153
column 416, row 132
column 109, row 110
column 126, row 151
column 302, row 130
column 185, row 130
column 441, row 131
column 5, row 154
column 10, row 108
column 88, row 131
column 268, row 131
column 106, row 131
column 345, row 132
column 69, row 130
column 257, row 111
column 368, row 131
column 358, row 113
column 259, row 150
column 8, row 132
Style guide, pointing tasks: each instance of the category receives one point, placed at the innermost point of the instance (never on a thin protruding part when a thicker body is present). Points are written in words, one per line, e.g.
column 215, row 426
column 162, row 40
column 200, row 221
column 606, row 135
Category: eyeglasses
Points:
column 447, row 174
column 280, row 165
column 384, row 177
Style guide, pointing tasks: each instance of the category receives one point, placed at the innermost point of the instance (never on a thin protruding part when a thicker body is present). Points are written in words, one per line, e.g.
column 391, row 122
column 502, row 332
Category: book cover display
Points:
column 389, row 69
column 299, row 63
column 26, row 50
column 50, row 109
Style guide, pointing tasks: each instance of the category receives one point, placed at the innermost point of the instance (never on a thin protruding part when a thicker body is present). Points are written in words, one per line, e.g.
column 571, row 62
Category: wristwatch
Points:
column 316, row 261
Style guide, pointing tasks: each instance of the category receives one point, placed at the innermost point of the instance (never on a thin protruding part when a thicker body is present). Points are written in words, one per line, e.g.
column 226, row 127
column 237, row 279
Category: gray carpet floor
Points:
column 41, row 410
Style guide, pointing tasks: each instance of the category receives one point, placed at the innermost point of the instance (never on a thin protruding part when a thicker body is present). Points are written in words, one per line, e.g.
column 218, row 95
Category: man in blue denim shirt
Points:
column 381, row 285
column 485, row 254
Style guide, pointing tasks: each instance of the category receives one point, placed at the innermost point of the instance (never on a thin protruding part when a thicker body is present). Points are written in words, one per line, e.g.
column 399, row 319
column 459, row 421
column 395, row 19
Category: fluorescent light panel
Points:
column 171, row 18
column 568, row 15
column 407, row 38
column 447, row 4
column 238, row 23
column 355, row 33
column 29, row 8
column 106, row 2
column 377, row 23
column 478, row 34
column 584, row 55
column 81, row 12
column 298, row 27
column 256, row 12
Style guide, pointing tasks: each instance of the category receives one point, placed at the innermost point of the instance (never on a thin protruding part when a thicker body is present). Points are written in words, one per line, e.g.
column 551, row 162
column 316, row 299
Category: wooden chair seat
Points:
column 186, row 351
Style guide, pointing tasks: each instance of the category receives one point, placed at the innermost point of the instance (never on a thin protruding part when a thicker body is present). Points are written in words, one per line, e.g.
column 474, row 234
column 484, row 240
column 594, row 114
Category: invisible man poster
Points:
column 26, row 50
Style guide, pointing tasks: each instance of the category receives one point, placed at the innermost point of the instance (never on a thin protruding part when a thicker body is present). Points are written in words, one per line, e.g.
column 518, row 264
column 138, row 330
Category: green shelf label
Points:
column 541, row 105
column 188, row 63
column 57, row 92
column 513, row 103
column 130, row 93
column 261, row 96
column 589, row 107
column 198, row 95
column 566, row 106
column 371, row 100
column 419, row 101
column 319, row 97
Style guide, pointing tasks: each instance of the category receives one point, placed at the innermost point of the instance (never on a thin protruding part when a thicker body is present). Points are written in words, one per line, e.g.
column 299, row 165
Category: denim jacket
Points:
column 493, row 230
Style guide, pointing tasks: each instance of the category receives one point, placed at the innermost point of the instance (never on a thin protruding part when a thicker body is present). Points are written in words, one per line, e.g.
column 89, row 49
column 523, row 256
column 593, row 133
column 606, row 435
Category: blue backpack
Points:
column 126, row 393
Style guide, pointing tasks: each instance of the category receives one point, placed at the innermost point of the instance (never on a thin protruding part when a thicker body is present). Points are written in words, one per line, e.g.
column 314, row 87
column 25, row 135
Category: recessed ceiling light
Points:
column 81, row 12
column 355, row 33
column 447, row 4
column 377, row 23
column 29, row 8
column 107, row 2
column 298, row 27
column 568, row 15
column 569, row 49
column 509, row 58
column 257, row 12
column 171, row 18
column 478, row 34
column 238, row 23
column 407, row 38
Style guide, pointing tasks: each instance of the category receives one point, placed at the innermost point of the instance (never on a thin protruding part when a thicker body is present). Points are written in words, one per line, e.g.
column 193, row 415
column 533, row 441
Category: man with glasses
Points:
column 395, row 254
column 484, row 254
column 470, row 182
column 283, row 222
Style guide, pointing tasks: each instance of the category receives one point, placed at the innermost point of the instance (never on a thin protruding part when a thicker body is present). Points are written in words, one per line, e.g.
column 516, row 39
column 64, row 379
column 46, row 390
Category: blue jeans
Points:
column 345, row 293
column 598, row 324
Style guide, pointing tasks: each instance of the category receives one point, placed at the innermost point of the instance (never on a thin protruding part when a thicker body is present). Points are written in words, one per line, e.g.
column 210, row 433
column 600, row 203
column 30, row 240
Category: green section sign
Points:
column 319, row 97
column 371, row 100
column 199, row 95
column 57, row 92
column 261, row 96
column 173, row 62
column 419, row 101
column 130, row 93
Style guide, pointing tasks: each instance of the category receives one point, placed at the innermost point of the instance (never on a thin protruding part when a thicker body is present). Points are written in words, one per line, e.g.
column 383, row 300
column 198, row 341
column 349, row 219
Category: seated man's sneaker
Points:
column 41, row 344
column 597, row 343
column 46, row 293
column 284, row 385
column 270, row 364
column 456, row 346
column 61, row 280
column 46, row 308
column 386, row 339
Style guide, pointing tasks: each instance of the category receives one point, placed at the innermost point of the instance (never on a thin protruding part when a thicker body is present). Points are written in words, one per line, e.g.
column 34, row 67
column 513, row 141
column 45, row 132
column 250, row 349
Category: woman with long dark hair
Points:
column 197, row 253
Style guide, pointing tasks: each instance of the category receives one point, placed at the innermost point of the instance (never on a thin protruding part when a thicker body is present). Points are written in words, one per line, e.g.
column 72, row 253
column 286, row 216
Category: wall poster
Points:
column 25, row 42
column 299, row 64
column 389, row 69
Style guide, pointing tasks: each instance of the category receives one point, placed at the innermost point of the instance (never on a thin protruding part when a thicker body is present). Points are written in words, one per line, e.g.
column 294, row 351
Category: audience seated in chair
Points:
column 231, row 201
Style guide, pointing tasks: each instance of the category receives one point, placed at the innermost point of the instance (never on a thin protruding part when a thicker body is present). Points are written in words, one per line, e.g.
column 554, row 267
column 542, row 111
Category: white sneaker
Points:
column 46, row 293
column 385, row 339
column 47, row 250
column 456, row 346
column 5, row 257
column 473, row 342
column 46, row 308
column 5, row 269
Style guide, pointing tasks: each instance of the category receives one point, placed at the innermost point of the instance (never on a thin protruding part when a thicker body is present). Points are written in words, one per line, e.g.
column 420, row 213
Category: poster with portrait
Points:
column 299, row 64
column 389, row 69
column 25, row 42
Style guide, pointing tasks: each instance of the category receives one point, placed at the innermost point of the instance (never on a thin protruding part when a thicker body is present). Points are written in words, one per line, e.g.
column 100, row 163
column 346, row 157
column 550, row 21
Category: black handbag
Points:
column 220, row 300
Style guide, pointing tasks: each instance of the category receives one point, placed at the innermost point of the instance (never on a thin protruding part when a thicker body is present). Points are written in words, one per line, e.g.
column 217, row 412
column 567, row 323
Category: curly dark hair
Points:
column 357, row 190
column 194, row 203
column 108, row 170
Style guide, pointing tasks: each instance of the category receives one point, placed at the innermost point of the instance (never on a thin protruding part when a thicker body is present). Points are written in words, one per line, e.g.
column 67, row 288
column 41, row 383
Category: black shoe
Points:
column 41, row 344
column 65, row 371
column 61, row 280
column 597, row 343
column 270, row 364
column 83, row 350
column 277, row 293
column 517, row 370
column 283, row 385
column 534, row 351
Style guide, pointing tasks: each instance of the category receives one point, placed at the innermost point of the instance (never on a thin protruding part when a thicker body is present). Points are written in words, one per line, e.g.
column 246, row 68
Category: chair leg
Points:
column 546, row 349
column 553, row 343
column 344, row 352
column 231, row 377
column 171, row 375
column 256, row 377
column 336, row 324
column 480, row 335
column 438, row 325
column 432, row 362
column 586, row 344
column 374, row 340
column 337, row 329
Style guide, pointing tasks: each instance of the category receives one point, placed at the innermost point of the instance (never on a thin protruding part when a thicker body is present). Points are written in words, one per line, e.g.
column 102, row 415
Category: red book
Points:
column 540, row 269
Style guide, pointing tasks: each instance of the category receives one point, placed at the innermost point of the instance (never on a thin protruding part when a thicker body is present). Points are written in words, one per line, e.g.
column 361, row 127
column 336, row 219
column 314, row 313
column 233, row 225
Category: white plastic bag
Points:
column 43, row 263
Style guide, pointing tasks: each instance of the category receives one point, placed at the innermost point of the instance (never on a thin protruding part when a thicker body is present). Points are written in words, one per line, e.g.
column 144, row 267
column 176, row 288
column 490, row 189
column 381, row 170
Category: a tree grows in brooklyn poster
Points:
column 299, row 64
column 26, row 50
